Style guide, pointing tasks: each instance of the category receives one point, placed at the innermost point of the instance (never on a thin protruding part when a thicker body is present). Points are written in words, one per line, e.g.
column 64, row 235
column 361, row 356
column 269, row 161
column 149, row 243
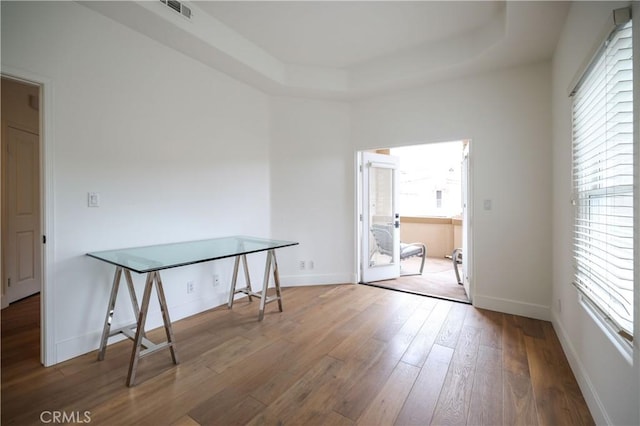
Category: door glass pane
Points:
column 381, row 216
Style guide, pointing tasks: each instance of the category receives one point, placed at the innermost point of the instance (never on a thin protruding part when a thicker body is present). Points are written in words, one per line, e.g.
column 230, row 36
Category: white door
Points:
column 21, row 214
column 466, row 241
column 22, row 196
column 380, row 233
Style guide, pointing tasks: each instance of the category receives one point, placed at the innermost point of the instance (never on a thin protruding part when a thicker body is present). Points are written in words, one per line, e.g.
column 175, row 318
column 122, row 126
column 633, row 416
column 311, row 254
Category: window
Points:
column 603, row 168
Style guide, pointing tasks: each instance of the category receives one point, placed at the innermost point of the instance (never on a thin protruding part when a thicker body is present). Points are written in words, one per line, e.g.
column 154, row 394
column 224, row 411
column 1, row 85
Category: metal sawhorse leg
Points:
column 138, row 337
column 271, row 262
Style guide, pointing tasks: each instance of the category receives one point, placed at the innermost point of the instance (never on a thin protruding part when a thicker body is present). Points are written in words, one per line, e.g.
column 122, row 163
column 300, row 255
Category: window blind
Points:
column 603, row 181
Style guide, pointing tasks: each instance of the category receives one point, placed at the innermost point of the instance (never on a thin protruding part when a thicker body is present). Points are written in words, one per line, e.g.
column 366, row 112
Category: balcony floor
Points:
column 438, row 279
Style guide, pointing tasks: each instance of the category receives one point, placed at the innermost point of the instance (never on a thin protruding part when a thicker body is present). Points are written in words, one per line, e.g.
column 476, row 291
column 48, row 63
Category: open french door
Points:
column 380, row 221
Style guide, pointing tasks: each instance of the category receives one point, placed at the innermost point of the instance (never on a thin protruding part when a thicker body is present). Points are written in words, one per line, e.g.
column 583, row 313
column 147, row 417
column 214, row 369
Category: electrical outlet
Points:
column 302, row 265
column 216, row 280
column 93, row 199
column 190, row 287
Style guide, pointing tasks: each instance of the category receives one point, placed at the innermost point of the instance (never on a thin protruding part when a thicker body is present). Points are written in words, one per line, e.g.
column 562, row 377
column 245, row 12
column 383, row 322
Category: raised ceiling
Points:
column 343, row 34
column 348, row 50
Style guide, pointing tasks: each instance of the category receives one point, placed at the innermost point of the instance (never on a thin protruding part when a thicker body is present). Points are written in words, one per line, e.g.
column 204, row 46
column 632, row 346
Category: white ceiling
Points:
column 350, row 49
column 342, row 34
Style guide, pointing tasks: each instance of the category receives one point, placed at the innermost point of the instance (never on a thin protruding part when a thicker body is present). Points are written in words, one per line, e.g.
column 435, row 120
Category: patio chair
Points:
column 383, row 235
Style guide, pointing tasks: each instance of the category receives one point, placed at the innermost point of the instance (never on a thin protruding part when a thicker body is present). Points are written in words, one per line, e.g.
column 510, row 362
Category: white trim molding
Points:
column 514, row 307
column 594, row 403
column 47, row 320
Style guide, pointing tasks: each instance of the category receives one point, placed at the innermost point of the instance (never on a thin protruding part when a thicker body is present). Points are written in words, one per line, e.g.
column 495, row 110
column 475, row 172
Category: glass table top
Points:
column 164, row 256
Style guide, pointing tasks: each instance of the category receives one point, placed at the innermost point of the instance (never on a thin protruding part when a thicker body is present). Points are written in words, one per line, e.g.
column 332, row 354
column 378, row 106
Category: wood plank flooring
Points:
column 337, row 355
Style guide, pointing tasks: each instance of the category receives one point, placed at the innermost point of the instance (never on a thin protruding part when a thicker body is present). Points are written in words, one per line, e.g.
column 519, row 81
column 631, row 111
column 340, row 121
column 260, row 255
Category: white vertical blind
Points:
column 603, row 181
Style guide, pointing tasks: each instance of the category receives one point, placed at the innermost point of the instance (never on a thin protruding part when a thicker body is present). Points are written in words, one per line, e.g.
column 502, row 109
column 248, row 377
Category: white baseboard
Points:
column 320, row 279
column 514, row 307
column 586, row 386
column 80, row 345
column 4, row 301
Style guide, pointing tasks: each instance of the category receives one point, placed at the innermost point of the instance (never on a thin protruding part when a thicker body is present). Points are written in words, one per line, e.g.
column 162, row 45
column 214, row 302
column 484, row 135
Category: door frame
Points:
column 470, row 272
column 47, row 312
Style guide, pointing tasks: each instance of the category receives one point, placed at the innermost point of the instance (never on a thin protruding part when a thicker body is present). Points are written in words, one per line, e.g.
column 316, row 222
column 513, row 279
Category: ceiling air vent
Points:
column 178, row 7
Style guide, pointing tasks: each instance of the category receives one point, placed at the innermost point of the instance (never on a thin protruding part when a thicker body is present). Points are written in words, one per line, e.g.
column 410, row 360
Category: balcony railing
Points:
column 441, row 235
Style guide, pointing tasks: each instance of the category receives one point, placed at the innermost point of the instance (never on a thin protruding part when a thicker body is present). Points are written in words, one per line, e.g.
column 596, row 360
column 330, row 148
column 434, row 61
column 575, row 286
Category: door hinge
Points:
column 361, row 218
column 8, row 282
column 44, row 239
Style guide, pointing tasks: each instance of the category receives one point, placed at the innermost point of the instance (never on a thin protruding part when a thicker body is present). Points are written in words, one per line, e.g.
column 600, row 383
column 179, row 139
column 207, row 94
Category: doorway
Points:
column 21, row 212
column 433, row 202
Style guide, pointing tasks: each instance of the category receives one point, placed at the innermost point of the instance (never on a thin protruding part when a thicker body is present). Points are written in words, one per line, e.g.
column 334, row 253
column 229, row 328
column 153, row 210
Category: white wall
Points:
column 506, row 116
column 312, row 193
column 177, row 151
column 607, row 379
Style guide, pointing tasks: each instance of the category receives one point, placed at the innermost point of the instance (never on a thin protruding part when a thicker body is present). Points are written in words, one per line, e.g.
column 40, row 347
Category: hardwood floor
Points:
column 337, row 355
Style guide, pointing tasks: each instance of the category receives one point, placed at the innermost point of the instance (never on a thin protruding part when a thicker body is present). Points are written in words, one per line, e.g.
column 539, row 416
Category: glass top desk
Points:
column 151, row 260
